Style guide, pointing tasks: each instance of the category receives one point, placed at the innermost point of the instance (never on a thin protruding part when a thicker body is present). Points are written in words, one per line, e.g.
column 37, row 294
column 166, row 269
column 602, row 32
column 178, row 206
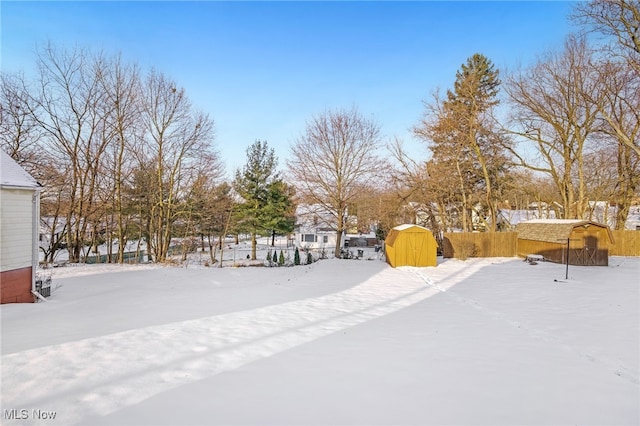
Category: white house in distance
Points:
column 604, row 212
column 314, row 228
column 19, row 229
column 598, row 211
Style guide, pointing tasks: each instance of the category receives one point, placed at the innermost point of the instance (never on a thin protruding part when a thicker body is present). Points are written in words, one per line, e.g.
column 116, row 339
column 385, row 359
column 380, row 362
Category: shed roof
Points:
column 410, row 229
column 554, row 230
column 408, row 226
column 11, row 174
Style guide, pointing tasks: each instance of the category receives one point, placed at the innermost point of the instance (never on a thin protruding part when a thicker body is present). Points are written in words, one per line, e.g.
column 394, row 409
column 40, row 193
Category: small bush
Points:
column 269, row 256
column 296, row 257
column 465, row 250
column 281, row 258
column 309, row 258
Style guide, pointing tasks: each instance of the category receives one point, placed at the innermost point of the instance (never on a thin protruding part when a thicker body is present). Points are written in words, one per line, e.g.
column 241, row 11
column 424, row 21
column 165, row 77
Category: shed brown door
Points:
column 588, row 254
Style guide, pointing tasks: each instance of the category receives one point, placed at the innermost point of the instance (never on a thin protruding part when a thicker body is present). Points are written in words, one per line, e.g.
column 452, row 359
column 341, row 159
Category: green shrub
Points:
column 281, row 258
column 296, row 257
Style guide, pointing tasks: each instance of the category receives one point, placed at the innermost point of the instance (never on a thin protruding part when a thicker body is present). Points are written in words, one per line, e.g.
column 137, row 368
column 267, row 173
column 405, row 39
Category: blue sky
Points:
column 262, row 69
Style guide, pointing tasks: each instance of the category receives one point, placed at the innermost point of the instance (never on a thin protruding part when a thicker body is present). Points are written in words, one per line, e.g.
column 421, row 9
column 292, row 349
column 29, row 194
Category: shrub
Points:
column 269, row 256
column 296, row 257
column 465, row 250
column 281, row 258
column 309, row 258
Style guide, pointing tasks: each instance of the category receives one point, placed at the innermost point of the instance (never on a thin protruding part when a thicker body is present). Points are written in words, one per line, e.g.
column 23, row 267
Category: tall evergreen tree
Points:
column 265, row 202
column 280, row 210
column 463, row 136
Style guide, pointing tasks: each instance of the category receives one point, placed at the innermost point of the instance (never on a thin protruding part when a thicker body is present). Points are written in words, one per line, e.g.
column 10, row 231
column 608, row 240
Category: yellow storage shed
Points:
column 410, row 245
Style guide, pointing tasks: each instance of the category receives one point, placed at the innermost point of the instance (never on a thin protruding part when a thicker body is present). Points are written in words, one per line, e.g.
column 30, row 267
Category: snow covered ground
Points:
column 486, row 341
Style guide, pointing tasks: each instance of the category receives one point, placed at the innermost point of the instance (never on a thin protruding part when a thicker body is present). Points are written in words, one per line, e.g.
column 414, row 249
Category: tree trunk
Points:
column 627, row 183
column 465, row 207
column 254, row 244
column 338, row 243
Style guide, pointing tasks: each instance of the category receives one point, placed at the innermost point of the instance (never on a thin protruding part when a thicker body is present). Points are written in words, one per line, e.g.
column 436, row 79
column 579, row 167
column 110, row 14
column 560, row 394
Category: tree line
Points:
column 120, row 155
column 124, row 155
column 568, row 134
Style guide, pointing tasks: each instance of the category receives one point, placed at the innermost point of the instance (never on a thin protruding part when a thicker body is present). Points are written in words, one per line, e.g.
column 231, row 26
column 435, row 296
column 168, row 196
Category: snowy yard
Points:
column 486, row 341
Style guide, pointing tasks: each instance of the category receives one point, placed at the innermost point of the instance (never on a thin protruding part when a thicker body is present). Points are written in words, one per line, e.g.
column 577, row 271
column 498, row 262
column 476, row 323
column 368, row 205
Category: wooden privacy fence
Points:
column 479, row 244
column 627, row 243
column 504, row 244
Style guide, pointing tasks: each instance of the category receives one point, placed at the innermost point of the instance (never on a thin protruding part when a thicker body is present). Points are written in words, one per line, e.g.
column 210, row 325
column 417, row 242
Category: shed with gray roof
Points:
column 586, row 242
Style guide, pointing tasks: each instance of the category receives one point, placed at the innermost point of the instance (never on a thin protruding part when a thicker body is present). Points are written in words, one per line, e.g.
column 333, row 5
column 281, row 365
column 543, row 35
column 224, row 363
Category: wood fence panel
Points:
column 479, row 244
column 505, row 244
column 626, row 243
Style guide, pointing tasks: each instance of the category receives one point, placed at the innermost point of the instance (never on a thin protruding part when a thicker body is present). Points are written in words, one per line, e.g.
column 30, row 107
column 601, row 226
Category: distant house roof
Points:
column 553, row 230
column 11, row 174
column 514, row 217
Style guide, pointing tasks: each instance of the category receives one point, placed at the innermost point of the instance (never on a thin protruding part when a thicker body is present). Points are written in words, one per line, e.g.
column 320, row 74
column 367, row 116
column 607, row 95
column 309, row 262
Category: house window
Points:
column 325, row 239
column 309, row 238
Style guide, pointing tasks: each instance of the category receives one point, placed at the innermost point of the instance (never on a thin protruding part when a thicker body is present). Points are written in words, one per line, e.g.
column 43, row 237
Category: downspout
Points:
column 35, row 232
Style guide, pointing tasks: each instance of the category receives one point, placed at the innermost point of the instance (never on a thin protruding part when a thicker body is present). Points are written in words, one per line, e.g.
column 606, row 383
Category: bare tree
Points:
column 199, row 204
column 619, row 102
column 619, row 124
column 177, row 138
column 619, row 69
column 333, row 161
column 22, row 137
column 551, row 110
column 122, row 128
column 215, row 214
column 619, row 19
column 19, row 132
column 106, row 147
column 68, row 114
column 422, row 195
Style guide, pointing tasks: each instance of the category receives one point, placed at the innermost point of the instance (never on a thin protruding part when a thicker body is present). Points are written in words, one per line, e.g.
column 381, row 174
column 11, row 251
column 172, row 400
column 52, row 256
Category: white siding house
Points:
column 19, row 229
column 314, row 229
